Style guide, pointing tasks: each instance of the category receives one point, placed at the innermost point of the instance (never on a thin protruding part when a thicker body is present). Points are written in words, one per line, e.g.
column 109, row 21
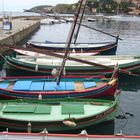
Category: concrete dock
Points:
column 21, row 28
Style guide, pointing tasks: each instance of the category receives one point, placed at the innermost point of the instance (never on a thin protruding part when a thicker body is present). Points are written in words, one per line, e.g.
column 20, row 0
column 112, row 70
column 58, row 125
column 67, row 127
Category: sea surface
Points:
column 128, row 29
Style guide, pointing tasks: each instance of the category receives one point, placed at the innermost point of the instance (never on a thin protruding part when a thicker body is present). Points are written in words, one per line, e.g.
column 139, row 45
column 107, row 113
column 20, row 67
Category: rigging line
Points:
column 76, row 23
column 126, row 116
column 99, row 31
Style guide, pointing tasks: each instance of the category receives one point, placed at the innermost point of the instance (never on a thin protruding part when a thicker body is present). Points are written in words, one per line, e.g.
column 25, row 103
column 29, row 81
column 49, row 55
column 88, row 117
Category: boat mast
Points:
column 70, row 37
column 80, row 21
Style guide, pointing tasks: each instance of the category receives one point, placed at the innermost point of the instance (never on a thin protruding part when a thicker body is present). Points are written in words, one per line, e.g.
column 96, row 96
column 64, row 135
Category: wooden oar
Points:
column 70, row 58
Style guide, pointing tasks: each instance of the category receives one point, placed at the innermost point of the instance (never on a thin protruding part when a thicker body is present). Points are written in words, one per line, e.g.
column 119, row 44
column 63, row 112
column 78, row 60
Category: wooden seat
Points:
column 79, row 86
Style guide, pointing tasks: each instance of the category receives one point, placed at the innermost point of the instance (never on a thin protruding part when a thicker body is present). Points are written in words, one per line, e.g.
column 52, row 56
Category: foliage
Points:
column 109, row 6
column 64, row 8
column 102, row 6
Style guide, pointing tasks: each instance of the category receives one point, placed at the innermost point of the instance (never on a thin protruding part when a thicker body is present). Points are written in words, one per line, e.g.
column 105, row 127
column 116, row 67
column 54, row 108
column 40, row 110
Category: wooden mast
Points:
column 80, row 21
column 70, row 37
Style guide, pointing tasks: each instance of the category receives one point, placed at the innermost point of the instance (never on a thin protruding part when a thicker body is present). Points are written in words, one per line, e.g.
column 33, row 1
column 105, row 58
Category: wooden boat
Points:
column 56, row 115
column 44, row 65
column 35, row 54
column 46, row 87
column 81, row 136
column 104, row 48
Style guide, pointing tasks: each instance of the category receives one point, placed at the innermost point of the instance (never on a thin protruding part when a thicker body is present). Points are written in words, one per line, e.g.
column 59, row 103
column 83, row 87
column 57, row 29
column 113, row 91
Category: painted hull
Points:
column 30, row 64
column 38, row 136
column 57, row 125
column 107, row 89
column 102, row 48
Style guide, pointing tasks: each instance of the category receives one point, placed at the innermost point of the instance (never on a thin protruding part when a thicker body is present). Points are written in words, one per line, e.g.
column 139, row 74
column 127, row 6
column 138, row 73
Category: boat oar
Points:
column 71, row 58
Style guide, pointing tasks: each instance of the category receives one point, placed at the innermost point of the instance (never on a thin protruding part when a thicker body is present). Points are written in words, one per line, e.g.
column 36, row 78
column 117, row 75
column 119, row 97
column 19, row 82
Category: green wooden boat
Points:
column 48, row 65
column 56, row 114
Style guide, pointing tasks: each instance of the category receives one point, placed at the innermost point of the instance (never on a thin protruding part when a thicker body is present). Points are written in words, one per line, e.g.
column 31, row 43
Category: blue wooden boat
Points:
column 46, row 87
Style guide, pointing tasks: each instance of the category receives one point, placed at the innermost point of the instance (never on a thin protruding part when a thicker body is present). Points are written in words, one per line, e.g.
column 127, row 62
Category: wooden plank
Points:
column 79, row 86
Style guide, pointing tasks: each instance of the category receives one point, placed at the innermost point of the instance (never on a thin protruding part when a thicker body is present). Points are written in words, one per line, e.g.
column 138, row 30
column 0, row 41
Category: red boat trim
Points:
column 54, row 92
column 69, row 135
column 68, row 76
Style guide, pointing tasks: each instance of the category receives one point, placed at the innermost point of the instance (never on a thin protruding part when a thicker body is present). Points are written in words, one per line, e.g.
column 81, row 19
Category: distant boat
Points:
column 56, row 115
column 104, row 48
column 91, row 19
column 82, row 135
column 47, row 21
column 23, row 51
column 44, row 65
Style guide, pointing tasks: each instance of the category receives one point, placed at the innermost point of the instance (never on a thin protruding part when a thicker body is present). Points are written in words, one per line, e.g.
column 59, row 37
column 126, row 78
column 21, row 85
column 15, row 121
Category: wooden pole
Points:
column 69, row 42
column 80, row 21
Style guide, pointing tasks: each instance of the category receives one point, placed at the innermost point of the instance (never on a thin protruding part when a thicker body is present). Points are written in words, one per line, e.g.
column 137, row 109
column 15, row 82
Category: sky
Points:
column 19, row 5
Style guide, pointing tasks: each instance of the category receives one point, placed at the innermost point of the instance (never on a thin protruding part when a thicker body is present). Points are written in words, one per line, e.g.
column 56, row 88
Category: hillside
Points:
column 59, row 8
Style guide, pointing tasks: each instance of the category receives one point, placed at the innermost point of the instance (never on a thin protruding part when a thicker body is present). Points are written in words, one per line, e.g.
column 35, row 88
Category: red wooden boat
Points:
column 46, row 87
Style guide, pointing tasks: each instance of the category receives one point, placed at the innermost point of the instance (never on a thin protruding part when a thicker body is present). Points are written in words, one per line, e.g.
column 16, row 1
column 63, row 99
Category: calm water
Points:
column 129, row 30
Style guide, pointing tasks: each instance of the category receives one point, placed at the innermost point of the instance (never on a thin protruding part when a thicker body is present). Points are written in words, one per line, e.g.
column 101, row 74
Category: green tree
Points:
column 124, row 7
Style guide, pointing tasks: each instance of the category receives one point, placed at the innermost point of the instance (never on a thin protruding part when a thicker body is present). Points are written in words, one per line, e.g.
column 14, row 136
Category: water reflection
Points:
column 129, row 83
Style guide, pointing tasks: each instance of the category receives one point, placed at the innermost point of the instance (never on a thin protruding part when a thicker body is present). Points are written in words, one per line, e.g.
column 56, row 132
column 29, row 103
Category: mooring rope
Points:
column 124, row 116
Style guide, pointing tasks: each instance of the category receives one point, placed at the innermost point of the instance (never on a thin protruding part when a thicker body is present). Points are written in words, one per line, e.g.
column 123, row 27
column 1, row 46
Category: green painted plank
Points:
column 42, row 109
column 72, row 109
column 1, row 107
column 19, row 109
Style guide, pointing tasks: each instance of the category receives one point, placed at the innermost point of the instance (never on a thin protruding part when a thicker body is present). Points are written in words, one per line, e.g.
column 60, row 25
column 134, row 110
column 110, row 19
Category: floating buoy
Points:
column 69, row 123
column 29, row 127
column 36, row 67
column 39, row 97
column 54, row 72
column 64, row 71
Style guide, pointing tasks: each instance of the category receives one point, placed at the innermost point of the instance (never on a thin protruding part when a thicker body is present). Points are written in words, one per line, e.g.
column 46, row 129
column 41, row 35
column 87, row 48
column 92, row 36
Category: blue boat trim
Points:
column 90, row 93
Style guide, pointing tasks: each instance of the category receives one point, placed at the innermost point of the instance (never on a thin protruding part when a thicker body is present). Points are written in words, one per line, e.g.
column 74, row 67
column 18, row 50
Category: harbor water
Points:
column 128, row 29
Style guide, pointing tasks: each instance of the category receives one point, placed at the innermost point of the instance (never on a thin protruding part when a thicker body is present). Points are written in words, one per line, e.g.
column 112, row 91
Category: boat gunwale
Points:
column 100, row 115
column 69, row 135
